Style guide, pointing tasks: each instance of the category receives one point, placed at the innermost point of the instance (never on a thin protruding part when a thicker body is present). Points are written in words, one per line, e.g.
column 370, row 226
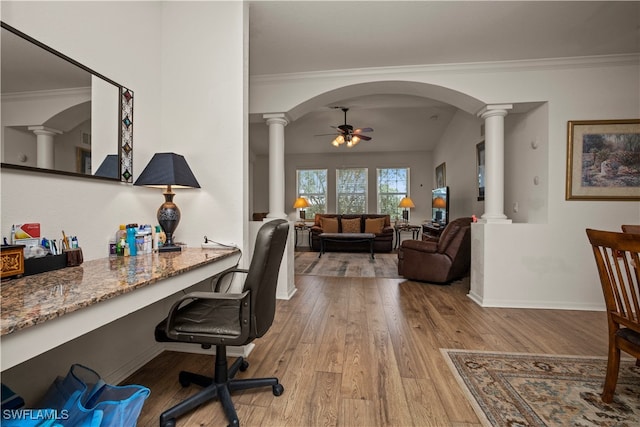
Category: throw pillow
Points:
column 329, row 225
column 373, row 225
column 350, row 225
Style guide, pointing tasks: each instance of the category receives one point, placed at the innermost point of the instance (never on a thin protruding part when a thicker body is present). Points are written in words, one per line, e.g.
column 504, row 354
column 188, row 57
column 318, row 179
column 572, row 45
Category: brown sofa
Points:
column 438, row 261
column 383, row 241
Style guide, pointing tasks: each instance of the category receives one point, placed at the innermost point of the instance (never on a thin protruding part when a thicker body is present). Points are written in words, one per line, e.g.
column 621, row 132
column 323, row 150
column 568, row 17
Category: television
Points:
column 440, row 205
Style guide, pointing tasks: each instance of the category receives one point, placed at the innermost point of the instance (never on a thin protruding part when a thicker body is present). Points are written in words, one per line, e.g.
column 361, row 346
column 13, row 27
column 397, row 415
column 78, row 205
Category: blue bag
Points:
column 83, row 399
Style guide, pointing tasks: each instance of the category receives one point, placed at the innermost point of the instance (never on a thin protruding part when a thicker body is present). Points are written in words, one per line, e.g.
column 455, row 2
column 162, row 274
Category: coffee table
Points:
column 347, row 237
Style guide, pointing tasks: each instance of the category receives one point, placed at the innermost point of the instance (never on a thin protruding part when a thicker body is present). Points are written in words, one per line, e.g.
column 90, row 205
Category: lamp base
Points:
column 172, row 248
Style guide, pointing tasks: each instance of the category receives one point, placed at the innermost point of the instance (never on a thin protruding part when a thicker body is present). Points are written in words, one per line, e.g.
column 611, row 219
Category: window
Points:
column 312, row 185
column 393, row 185
column 352, row 190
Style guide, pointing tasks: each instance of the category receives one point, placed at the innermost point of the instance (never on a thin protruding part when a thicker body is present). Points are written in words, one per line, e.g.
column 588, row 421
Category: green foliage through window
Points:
column 352, row 190
column 312, row 185
column 393, row 185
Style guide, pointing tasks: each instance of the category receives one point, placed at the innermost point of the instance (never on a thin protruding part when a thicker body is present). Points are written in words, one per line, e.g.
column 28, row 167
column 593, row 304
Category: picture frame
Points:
column 603, row 160
column 480, row 169
column 441, row 175
column 83, row 161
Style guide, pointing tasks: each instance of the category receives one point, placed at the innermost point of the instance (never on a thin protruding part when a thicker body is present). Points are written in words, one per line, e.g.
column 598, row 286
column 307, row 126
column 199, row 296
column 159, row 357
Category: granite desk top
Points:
column 31, row 300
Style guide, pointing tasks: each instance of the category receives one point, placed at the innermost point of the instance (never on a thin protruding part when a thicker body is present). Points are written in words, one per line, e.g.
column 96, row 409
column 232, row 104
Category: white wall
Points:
column 457, row 150
column 94, row 34
column 544, row 263
column 185, row 62
column 526, row 191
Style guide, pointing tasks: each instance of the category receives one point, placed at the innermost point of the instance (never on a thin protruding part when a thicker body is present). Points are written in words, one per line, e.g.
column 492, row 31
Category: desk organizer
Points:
column 45, row 263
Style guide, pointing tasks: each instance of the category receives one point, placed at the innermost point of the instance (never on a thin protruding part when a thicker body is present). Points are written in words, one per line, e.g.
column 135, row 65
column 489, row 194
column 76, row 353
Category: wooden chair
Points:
column 631, row 228
column 617, row 258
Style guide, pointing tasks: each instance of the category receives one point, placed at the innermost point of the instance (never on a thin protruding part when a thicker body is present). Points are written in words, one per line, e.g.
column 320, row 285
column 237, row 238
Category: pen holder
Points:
column 74, row 256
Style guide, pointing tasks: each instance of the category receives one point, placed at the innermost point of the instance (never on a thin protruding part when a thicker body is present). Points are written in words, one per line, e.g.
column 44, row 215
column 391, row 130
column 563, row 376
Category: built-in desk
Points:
column 45, row 310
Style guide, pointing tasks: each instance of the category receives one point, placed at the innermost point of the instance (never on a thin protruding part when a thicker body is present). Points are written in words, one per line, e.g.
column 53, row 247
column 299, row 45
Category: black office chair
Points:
column 223, row 319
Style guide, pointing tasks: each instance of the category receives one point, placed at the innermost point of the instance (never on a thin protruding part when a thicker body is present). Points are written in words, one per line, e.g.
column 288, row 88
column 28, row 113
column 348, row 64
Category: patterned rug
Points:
column 509, row 389
column 347, row 264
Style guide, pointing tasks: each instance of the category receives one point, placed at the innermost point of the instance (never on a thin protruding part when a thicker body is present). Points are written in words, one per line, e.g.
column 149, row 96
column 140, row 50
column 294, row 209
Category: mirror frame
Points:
column 125, row 120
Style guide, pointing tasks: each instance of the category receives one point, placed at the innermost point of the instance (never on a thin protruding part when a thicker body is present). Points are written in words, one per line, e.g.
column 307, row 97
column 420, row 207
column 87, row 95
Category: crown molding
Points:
column 461, row 68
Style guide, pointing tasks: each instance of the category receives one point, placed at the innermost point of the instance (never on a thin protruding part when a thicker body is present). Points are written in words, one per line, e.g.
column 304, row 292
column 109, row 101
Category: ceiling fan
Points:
column 347, row 134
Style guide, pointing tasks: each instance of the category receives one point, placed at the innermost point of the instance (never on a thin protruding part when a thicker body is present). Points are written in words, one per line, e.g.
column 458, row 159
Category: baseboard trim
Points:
column 288, row 295
column 125, row 371
column 134, row 364
column 543, row 305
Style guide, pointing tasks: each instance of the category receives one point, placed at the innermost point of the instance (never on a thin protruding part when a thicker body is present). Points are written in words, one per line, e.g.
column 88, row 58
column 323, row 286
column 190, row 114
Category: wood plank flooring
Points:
column 366, row 352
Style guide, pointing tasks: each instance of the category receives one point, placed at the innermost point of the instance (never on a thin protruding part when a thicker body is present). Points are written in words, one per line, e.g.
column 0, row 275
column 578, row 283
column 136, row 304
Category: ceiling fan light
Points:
column 355, row 139
column 335, row 143
column 350, row 144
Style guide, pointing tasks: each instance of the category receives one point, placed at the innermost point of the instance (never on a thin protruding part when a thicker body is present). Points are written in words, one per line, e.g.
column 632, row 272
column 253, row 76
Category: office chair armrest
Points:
column 218, row 278
column 203, row 295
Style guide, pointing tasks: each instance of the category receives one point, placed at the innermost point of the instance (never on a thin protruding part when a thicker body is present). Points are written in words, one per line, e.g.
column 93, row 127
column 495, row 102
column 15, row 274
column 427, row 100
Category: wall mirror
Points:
column 59, row 116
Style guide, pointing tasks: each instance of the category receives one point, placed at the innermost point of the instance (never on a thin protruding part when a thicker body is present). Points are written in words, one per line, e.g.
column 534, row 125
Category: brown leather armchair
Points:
column 438, row 261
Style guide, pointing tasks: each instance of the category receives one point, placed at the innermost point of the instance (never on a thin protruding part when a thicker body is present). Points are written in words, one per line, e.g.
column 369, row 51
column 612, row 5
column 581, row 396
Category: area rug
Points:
column 509, row 389
column 347, row 264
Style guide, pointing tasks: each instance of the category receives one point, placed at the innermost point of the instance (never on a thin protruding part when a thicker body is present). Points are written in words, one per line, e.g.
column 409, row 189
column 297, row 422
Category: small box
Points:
column 44, row 264
column 11, row 260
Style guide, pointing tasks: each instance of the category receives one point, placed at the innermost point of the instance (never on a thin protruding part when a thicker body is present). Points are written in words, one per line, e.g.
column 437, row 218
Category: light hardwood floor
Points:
column 366, row 352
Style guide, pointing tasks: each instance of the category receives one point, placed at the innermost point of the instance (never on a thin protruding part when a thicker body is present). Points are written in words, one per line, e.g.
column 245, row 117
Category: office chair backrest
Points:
column 262, row 278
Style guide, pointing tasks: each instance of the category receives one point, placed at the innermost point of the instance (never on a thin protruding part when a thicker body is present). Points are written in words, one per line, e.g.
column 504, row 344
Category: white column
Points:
column 276, row 123
column 44, row 147
column 493, row 116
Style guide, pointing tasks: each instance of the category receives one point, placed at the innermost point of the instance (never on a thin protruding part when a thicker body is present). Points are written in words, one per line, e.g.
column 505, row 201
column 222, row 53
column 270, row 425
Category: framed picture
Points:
column 441, row 176
column 480, row 169
column 603, row 160
column 83, row 161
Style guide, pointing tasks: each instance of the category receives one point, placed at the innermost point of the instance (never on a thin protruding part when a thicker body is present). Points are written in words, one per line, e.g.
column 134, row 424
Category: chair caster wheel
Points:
column 278, row 390
column 244, row 366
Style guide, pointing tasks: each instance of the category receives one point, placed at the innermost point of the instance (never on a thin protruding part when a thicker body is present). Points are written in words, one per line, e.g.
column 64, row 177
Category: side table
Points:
column 413, row 229
column 301, row 226
column 432, row 231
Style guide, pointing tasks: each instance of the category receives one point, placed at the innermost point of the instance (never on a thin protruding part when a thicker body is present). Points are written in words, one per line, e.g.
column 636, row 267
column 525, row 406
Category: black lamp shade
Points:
column 170, row 170
column 109, row 167
column 167, row 169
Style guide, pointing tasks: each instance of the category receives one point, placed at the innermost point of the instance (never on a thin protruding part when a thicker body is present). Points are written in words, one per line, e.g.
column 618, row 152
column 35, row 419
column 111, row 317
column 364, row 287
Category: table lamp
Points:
column 168, row 170
column 406, row 203
column 301, row 203
column 110, row 167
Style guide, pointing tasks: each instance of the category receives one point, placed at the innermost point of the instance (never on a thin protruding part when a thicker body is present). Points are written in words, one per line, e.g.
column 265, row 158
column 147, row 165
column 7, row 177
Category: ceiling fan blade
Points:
column 338, row 128
column 364, row 137
column 328, row 134
column 360, row 130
